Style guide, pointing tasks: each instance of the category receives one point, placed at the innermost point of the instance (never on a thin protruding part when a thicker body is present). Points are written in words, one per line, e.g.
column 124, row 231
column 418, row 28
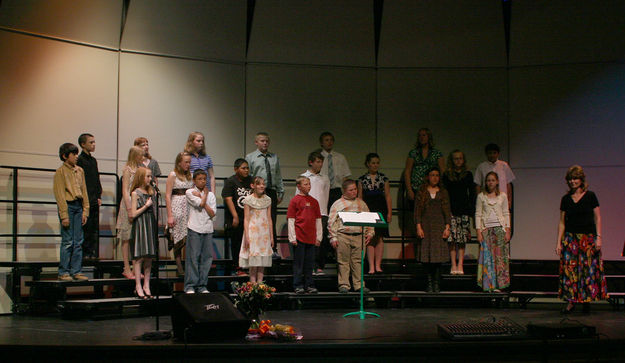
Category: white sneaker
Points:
column 204, row 291
column 190, row 292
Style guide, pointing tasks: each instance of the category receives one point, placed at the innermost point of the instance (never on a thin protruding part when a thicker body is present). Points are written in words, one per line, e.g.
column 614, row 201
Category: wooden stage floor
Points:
column 408, row 334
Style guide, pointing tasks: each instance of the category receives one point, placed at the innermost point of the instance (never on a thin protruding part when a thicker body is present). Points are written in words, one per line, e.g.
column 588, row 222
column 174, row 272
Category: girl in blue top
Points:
column 199, row 159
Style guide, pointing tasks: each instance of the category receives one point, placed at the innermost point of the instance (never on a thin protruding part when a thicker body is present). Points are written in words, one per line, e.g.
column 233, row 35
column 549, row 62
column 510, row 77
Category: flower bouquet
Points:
column 266, row 329
column 252, row 298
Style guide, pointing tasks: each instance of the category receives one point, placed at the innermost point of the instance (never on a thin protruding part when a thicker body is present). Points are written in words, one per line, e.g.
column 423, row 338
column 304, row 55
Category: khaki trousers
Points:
column 348, row 258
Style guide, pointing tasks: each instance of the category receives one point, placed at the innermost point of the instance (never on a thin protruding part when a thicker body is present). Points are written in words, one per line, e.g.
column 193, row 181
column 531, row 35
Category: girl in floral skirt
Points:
column 256, row 249
column 492, row 221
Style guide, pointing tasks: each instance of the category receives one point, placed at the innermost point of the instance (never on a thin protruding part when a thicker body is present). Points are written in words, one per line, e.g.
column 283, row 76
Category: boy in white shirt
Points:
column 319, row 189
column 505, row 174
column 202, row 206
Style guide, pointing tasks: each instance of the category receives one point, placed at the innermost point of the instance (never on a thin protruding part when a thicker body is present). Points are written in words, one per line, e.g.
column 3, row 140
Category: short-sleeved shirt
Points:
column 199, row 221
column 237, row 190
column 319, row 189
column 500, row 167
column 305, row 210
column 373, row 186
column 579, row 217
column 203, row 162
column 422, row 165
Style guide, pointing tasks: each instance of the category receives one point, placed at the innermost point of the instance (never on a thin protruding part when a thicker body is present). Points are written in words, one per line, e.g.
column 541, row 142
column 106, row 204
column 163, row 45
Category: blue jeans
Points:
column 198, row 261
column 71, row 241
column 303, row 262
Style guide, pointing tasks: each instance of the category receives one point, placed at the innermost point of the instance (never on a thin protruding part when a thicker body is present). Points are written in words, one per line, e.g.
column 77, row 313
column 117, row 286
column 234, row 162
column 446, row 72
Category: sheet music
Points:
column 359, row 217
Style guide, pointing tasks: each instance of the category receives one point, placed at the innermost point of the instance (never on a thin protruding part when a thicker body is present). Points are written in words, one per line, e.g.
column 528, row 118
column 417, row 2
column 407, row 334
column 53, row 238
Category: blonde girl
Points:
column 199, row 159
column 143, row 242
column 178, row 181
column 135, row 156
column 492, row 221
column 256, row 249
column 147, row 160
column 458, row 181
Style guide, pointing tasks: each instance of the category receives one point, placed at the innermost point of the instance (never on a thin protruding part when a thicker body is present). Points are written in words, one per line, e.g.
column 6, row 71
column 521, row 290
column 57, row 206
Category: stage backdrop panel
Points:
column 51, row 93
column 562, row 31
column 165, row 99
column 295, row 104
column 537, row 210
column 465, row 109
column 199, row 29
column 88, row 21
column 447, row 33
column 313, row 32
column 567, row 114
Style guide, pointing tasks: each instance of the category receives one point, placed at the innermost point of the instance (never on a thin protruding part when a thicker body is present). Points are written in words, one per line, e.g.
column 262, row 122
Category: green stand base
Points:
column 362, row 314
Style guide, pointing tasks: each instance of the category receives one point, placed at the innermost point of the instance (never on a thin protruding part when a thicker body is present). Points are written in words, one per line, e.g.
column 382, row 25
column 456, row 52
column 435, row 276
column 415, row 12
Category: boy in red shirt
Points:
column 305, row 232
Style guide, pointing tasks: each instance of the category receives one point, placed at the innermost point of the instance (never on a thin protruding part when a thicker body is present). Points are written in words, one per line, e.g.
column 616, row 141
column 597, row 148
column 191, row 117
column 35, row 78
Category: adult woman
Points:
column 420, row 160
column 178, row 181
column 579, row 244
column 199, row 159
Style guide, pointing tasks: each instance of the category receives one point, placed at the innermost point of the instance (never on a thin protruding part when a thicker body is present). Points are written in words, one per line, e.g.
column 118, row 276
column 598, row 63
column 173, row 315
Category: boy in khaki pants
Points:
column 347, row 240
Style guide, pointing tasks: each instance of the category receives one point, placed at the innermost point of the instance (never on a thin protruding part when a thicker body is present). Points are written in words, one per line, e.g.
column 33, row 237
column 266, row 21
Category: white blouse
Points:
column 484, row 206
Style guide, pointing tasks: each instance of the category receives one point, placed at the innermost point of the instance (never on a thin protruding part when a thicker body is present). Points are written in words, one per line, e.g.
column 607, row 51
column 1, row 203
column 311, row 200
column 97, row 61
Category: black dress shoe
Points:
column 566, row 310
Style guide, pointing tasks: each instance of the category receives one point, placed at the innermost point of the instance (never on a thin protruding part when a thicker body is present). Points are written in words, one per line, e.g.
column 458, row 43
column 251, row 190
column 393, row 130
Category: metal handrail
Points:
column 15, row 202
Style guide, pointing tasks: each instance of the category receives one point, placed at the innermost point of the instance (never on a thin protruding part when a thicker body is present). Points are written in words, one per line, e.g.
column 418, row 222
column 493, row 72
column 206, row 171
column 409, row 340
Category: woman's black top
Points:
column 579, row 217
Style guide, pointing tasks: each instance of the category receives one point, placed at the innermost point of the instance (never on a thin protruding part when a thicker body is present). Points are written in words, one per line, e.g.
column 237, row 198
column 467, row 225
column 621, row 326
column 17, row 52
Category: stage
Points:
column 407, row 334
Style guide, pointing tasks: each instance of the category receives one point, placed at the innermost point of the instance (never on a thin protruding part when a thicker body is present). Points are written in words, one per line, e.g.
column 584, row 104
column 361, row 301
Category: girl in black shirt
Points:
column 459, row 183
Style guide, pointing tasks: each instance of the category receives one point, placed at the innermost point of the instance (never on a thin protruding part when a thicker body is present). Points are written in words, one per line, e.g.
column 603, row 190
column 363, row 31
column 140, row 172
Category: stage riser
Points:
column 532, row 277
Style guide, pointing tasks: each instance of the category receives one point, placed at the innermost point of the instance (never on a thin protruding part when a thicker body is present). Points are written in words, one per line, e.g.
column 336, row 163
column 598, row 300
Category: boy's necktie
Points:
column 330, row 169
column 268, row 169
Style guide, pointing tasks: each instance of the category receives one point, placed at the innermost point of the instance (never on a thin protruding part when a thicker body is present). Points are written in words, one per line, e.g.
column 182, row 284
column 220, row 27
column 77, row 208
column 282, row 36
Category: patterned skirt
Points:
column 493, row 270
column 581, row 269
column 459, row 230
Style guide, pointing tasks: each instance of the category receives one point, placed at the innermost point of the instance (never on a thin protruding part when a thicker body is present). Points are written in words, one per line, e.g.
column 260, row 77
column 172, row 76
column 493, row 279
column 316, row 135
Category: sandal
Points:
column 148, row 294
column 144, row 297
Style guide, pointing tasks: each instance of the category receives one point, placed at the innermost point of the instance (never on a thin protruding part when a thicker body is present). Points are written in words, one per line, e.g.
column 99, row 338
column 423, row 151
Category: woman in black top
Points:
column 579, row 244
column 459, row 183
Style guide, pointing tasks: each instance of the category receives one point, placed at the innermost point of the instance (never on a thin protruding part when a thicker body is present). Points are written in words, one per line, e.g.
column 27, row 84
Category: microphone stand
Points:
column 157, row 334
